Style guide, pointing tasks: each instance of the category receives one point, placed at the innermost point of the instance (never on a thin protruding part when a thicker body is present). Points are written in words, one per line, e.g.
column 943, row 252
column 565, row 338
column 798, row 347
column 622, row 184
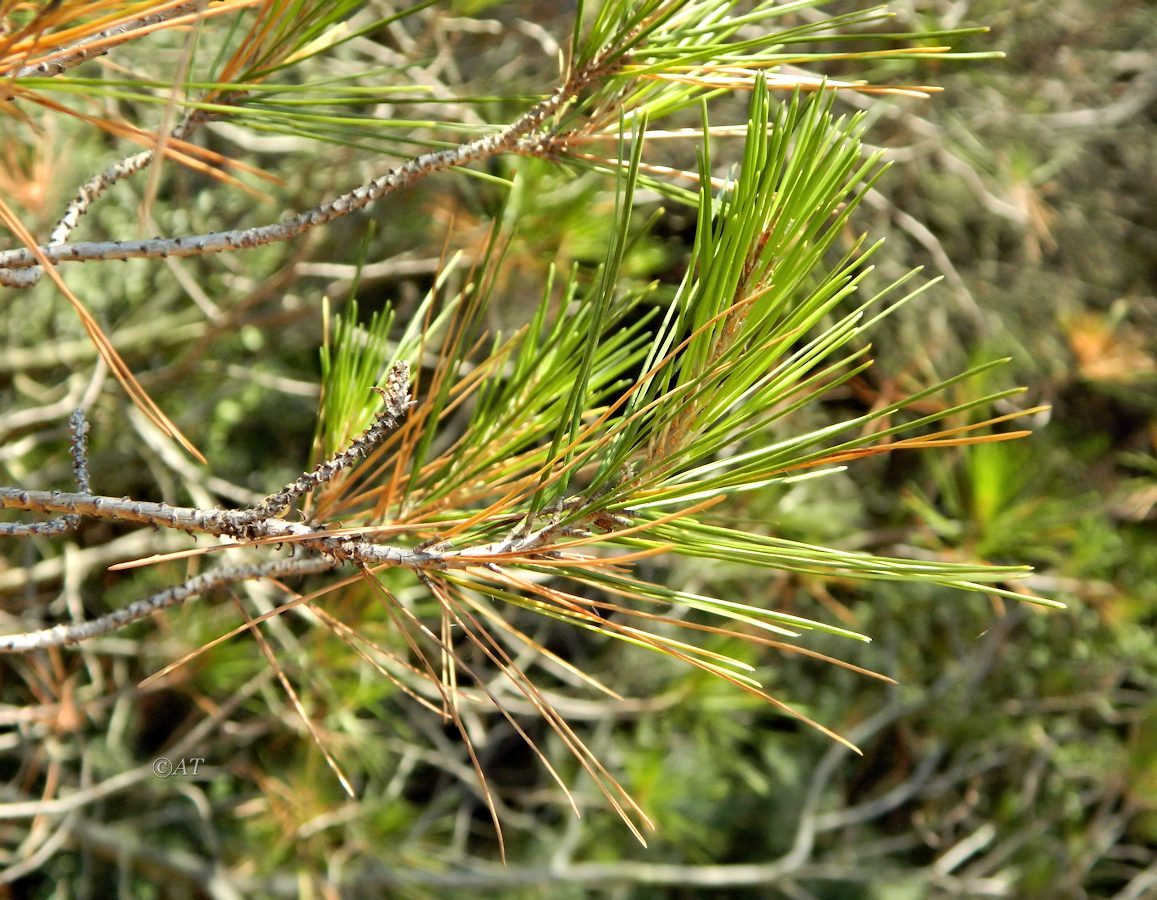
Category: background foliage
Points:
column 1017, row 756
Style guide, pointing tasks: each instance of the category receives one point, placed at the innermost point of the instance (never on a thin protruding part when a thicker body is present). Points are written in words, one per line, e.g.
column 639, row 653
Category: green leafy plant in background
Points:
column 493, row 482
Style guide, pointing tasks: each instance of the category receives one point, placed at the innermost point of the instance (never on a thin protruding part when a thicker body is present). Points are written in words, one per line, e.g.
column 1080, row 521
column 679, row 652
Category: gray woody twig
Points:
column 78, row 428
column 97, row 45
column 326, row 550
column 75, row 632
column 521, row 136
column 396, row 399
column 240, row 524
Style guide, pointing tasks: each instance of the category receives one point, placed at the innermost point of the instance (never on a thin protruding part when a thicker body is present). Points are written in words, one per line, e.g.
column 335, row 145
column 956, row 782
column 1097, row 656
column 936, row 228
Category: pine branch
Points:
column 69, row 57
column 564, row 435
column 76, row 632
column 253, row 51
column 89, row 192
column 523, row 136
column 396, row 400
column 250, row 525
column 78, row 428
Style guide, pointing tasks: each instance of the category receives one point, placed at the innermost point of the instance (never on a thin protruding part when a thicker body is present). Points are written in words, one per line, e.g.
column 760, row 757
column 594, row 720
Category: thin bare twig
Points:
column 248, row 525
column 98, row 44
column 522, row 136
column 78, row 428
column 396, row 399
column 75, row 632
column 91, row 190
column 195, row 738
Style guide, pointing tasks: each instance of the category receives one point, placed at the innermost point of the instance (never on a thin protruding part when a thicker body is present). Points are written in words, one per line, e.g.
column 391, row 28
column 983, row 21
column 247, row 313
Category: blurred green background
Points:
column 1017, row 757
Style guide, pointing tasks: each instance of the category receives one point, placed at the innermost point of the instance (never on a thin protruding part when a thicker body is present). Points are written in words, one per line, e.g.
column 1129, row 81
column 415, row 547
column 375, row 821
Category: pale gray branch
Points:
column 519, row 137
column 396, row 402
column 75, row 632
column 78, row 427
column 83, row 50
